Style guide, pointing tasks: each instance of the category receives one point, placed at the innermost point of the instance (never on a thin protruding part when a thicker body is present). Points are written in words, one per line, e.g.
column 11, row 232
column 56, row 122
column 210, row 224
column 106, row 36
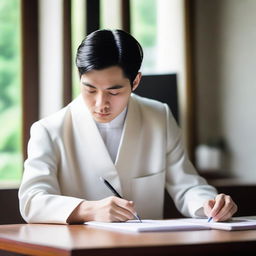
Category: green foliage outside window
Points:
column 143, row 21
column 10, row 92
column 144, row 29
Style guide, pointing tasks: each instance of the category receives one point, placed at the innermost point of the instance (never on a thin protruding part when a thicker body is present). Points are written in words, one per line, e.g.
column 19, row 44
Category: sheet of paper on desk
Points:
column 148, row 225
column 175, row 225
column 236, row 223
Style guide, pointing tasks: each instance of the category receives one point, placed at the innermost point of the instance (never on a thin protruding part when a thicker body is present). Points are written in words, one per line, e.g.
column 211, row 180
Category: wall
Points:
column 225, row 64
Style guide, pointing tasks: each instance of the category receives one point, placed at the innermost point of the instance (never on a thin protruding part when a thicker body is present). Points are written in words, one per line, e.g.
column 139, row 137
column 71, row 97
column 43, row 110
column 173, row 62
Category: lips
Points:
column 102, row 114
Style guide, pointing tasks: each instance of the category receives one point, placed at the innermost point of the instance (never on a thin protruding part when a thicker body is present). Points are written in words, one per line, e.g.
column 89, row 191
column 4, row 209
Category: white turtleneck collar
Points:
column 111, row 133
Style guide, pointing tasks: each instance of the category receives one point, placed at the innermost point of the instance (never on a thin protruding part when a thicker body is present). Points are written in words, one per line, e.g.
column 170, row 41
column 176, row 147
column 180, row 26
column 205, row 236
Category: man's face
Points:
column 106, row 92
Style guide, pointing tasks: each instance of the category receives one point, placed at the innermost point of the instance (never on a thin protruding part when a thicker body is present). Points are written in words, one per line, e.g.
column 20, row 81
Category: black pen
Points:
column 117, row 194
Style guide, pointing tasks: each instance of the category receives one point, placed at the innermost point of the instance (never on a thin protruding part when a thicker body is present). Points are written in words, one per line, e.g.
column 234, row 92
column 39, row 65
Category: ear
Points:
column 136, row 81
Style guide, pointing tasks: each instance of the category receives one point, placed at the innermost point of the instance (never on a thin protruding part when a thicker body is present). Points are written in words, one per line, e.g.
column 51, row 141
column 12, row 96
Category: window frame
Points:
column 30, row 68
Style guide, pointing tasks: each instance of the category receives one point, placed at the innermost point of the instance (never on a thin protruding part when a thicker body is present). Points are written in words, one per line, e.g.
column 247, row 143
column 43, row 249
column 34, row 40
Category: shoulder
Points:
column 150, row 105
column 156, row 112
column 55, row 122
column 153, row 113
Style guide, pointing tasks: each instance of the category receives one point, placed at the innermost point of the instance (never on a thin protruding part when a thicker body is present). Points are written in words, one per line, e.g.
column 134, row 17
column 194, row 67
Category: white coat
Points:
column 66, row 157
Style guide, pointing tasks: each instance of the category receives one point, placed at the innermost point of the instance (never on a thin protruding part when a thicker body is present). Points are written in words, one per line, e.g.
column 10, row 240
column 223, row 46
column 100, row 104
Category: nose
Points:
column 102, row 102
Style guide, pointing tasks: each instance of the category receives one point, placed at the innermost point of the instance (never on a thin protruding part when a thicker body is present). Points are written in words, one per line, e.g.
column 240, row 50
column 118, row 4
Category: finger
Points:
column 227, row 212
column 119, row 209
column 208, row 205
column 125, row 204
column 118, row 217
column 121, row 213
column 219, row 203
column 225, row 216
column 112, row 212
column 114, row 216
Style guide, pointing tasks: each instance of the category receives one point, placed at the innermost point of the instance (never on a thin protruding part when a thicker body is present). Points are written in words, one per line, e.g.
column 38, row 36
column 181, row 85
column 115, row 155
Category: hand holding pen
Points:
column 110, row 209
column 118, row 195
column 220, row 209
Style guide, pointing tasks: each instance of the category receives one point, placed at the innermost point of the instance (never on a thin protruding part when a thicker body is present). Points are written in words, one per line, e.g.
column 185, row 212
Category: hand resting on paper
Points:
column 221, row 208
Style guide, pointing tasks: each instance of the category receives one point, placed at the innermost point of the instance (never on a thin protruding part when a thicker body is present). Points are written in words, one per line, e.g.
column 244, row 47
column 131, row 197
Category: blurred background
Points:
column 205, row 48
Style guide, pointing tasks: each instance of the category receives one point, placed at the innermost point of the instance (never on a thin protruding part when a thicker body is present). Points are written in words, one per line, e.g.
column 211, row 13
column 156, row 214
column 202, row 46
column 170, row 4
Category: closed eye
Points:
column 113, row 93
column 91, row 91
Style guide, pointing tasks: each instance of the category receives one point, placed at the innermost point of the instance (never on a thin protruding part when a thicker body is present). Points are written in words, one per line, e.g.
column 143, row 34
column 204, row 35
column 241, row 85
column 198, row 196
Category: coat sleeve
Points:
column 188, row 190
column 40, row 197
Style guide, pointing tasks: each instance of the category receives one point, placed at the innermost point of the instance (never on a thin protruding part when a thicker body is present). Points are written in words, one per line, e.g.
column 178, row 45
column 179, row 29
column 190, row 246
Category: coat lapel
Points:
column 126, row 161
column 93, row 155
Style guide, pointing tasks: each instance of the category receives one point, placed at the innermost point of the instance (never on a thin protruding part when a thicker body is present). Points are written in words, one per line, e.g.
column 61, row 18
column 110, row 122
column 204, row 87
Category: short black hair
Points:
column 105, row 48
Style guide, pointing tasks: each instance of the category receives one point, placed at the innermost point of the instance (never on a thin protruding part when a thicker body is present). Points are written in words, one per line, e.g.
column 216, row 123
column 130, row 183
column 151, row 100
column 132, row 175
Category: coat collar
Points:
column 130, row 135
column 94, row 148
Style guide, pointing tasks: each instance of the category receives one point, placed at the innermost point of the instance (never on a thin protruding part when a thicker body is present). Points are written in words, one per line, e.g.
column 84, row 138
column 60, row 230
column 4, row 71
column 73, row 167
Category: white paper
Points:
column 148, row 225
column 233, row 224
column 175, row 225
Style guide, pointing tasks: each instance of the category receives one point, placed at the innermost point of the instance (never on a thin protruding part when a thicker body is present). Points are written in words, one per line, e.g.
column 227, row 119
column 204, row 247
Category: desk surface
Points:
column 45, row 239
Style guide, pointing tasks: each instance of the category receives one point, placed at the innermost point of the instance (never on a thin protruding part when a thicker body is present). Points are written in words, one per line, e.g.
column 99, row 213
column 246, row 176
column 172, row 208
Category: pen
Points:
column 209, row 219
column 117, row 194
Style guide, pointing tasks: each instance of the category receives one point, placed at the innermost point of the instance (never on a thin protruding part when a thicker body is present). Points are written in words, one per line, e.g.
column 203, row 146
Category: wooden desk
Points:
column 42, row 239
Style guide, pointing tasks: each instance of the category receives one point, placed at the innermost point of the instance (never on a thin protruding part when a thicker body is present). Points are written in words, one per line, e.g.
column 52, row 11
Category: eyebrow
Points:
column 114, row 87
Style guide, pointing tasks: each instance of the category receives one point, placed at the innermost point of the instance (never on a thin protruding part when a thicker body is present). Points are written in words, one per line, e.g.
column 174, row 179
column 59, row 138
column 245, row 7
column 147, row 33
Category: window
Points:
column 144, row 29
column 10, row 96
column 156, row 24
column 110, row 14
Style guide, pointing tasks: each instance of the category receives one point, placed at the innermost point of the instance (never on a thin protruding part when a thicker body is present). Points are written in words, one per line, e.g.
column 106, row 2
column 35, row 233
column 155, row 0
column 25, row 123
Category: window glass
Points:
column 156, row 25
column 10, row 93
column 110, row 14
column 144, row 29
column 78, row 30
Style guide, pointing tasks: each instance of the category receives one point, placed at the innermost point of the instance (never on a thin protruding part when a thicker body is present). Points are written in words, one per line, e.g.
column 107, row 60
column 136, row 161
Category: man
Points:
column 109, row 132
